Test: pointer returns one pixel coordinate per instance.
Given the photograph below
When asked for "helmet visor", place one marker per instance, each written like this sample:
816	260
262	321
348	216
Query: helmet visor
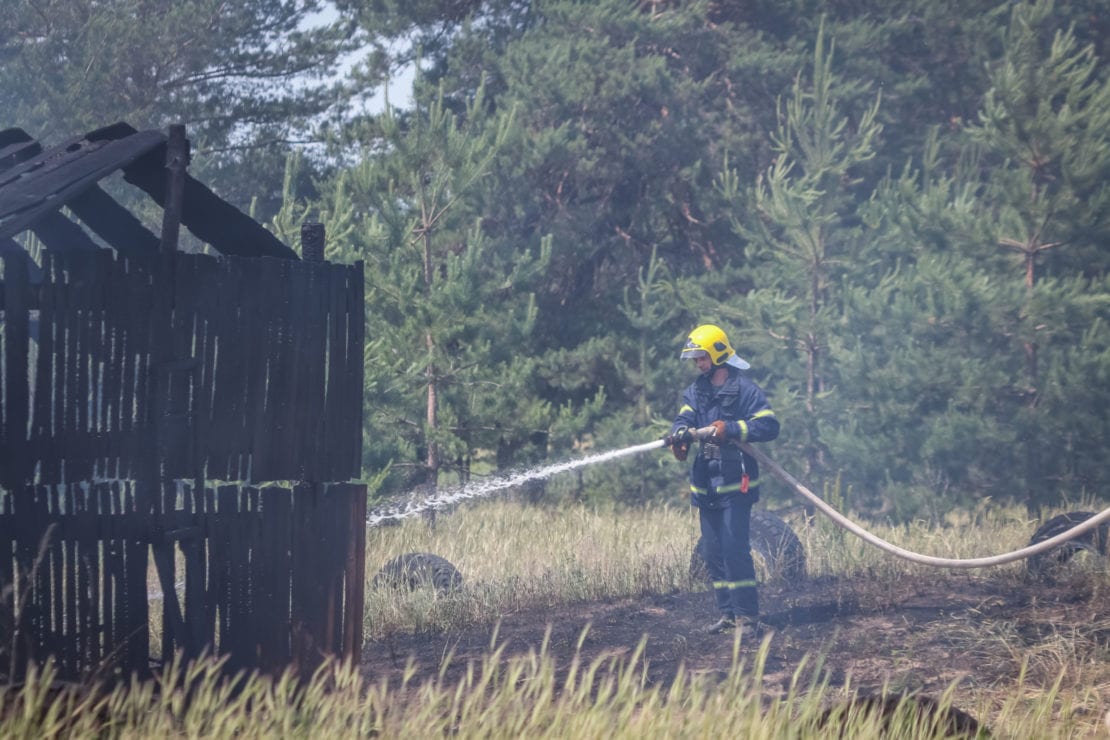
692	352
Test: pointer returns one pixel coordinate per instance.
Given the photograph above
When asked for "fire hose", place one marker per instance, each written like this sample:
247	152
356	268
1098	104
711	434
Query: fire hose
843	522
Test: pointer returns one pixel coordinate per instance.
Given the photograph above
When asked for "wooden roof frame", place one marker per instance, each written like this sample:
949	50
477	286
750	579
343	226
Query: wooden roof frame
36	182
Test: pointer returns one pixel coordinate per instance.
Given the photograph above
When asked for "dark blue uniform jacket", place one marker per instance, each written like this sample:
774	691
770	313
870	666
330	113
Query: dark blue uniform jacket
716	476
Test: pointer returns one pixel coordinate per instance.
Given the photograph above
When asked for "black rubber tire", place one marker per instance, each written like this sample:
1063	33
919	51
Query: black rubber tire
891	712
415	570
1095	541
772	539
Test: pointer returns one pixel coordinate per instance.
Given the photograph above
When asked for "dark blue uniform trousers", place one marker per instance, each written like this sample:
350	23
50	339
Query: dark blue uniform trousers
726	547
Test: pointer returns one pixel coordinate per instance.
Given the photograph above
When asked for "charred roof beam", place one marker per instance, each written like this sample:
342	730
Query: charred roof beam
35	184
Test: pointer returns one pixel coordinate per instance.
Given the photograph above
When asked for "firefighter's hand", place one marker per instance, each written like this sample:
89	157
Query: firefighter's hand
680	436
718	435
679	442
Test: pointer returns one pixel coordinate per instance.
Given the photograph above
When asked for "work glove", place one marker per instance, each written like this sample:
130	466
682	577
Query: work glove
718	435
680	436
679	442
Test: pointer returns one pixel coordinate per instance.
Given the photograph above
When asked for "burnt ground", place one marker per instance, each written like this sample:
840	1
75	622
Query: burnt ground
920	635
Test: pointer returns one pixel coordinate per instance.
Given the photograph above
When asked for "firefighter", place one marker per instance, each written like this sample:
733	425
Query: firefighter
724	481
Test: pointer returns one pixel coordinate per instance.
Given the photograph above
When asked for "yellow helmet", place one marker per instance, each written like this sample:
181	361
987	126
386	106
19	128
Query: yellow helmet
711	340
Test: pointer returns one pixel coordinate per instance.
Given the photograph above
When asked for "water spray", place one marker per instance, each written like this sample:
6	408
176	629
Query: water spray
454	495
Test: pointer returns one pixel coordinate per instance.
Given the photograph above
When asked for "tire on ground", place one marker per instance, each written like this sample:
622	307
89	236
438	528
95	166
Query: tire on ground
895	713
773	542
415	570
1094	541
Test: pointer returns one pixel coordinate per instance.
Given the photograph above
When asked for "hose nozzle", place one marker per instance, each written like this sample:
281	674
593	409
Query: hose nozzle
685	436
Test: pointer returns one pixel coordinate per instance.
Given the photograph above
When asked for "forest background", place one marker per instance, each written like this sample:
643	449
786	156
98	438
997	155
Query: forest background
899	213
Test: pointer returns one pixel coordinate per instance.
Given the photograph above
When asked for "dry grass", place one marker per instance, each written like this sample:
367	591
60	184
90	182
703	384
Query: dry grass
1042	674
520	696
1029	674
515	557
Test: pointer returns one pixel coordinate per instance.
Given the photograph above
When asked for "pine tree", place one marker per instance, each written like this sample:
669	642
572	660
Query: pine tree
1044	133
984	371
648	372
805	245
449	311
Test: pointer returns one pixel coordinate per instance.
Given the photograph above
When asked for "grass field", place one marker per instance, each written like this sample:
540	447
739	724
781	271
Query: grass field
531	562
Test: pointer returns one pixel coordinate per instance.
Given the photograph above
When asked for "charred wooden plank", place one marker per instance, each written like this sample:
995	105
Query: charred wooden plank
137	614
272	595
50	160
54	604
220	564
109	357
42	420
204	380
15	465
243	536
356	369
298	390
156	438
354	571
229	380
192	550
210	218
347	464
45	183
332	541
34	272
81	450
62	235
34	570
16	145
113	223
211	575
177	371
71	652
86	555
70	368
117	342
22	518
132	309
8	539
177	153
106	536
257	342
281	460
335	399
306	594
313	236
312	383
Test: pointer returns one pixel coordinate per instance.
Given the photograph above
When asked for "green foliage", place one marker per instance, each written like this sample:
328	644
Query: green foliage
862	274
921	285
449	309
805	246
643	368
1044	131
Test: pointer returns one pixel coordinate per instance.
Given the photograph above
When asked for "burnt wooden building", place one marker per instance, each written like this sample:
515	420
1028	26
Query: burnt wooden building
180	433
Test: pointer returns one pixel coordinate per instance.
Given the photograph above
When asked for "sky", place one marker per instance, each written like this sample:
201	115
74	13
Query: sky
399	88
